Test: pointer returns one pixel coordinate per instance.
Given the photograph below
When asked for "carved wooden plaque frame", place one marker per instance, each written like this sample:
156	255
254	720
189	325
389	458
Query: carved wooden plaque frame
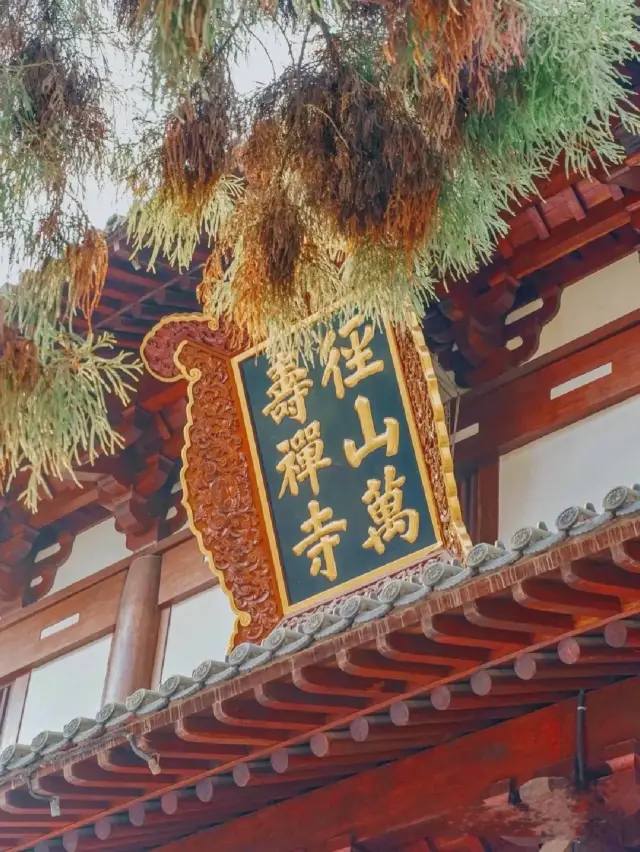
220	489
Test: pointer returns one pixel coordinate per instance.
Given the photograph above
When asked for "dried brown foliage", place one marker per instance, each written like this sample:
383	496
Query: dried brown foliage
273	235
460	46
261	156
88	263
189	17
278	236
128	13
362	159
61	96
196	143
19	364
278	272
57	127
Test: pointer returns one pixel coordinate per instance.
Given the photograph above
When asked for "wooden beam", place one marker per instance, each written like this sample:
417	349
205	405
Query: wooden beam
591	338
50	603
51	511
521	411
433	789
23	645
537	220
481	356
184	573
339	844
572	236
488	500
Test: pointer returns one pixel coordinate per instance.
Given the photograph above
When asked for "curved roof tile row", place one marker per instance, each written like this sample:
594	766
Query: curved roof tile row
355	610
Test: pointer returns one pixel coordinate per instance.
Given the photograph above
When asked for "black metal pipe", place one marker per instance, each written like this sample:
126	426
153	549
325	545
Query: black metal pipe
581	780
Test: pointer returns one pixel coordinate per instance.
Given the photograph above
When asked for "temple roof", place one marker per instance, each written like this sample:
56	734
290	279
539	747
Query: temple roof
576	227
425	660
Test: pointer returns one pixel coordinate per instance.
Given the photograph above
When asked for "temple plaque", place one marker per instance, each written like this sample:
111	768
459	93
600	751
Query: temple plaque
341	474
306	480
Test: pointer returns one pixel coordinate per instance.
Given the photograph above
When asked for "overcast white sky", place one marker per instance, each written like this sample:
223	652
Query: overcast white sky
101	202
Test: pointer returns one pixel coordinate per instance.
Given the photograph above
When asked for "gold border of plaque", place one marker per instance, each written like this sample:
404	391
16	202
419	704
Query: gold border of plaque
397	565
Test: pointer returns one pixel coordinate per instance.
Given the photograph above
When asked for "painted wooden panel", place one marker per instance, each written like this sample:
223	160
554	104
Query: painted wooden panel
184	573
591	303
60	628
572	466
557	395
347	438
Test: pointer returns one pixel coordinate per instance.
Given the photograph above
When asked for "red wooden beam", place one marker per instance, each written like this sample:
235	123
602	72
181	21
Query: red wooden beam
479	497
429	793
521	411
573	235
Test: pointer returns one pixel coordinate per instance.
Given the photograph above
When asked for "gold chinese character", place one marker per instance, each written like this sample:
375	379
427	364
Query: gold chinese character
321	540
289	387
303	459
357	356
390	437
386	512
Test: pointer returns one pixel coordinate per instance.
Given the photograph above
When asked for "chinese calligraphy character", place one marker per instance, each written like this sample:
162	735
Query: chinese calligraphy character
357	356
386	512
320	542
288	390
302	460
389	438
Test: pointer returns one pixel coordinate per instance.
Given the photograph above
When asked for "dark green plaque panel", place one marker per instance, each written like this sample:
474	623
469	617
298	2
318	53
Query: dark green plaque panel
301	416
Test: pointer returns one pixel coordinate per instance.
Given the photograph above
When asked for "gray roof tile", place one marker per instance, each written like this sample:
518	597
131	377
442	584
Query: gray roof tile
356	609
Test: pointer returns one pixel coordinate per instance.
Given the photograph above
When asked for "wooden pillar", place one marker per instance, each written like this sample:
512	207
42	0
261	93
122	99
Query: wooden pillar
133	646
479	498
488	501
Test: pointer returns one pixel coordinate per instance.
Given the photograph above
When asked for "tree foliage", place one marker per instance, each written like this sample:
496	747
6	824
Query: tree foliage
383	158
54	382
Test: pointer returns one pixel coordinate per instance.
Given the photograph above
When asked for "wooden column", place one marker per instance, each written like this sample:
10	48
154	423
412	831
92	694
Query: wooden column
488	501
135	638
479	497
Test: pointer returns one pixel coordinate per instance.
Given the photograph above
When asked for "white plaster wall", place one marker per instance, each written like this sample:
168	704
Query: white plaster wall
573	466
94	549
200	628
67	687
593	302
